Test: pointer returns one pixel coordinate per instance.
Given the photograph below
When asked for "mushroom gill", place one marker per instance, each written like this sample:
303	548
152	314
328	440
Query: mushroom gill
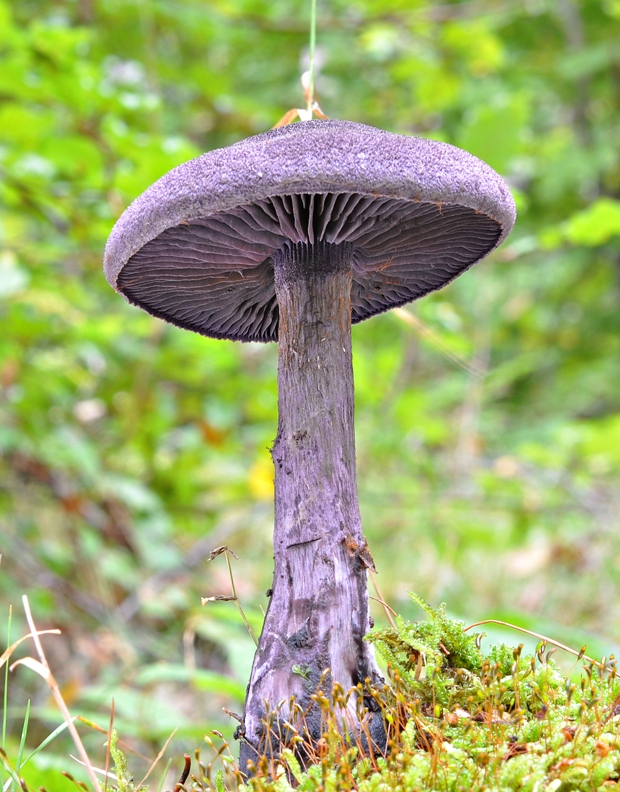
214	275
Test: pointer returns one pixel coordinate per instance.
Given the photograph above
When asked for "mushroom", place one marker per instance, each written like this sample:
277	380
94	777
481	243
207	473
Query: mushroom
293	235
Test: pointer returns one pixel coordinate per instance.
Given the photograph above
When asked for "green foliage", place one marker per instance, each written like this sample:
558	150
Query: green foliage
430	656
591	227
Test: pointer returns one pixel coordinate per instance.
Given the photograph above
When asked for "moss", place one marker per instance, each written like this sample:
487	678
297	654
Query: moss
124	780
457	720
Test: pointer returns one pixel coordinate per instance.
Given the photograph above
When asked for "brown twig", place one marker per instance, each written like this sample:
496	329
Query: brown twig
379	598
225	597
157	758
184	774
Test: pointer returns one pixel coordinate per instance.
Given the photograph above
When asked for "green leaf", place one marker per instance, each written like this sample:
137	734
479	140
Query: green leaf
201	679
495	133
596	225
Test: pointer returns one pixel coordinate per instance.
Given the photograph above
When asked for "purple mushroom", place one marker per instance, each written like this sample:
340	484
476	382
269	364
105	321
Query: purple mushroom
293	235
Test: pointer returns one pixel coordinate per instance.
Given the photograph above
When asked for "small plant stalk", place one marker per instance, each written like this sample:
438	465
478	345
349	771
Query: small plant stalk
310	93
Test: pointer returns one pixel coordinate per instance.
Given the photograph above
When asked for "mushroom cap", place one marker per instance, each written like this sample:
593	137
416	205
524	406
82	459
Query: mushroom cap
196	248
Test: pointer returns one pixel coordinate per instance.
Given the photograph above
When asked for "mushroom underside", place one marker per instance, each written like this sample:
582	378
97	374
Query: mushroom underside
214	275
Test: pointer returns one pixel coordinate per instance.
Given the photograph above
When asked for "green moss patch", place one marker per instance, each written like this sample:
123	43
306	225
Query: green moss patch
460	720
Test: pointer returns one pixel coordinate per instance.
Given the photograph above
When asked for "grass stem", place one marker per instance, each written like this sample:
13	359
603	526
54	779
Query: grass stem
310	96
559	645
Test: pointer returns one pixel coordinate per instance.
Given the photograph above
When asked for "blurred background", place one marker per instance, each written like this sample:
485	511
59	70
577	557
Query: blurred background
487	415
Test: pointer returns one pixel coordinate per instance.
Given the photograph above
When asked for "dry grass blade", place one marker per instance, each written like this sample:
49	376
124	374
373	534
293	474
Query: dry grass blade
8	652
579	655
43	669
426	332
125	746
379	598
157	758
105	773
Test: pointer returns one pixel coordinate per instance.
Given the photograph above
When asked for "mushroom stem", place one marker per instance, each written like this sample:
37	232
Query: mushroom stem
318	613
